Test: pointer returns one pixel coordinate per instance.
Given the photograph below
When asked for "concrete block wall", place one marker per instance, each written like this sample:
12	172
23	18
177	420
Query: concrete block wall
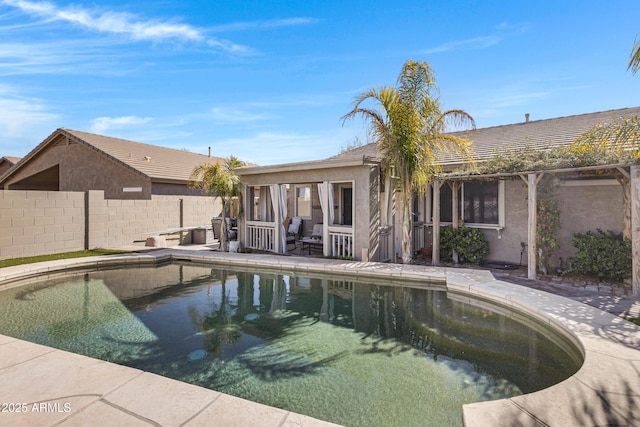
198	210
40	222
47	222
117	223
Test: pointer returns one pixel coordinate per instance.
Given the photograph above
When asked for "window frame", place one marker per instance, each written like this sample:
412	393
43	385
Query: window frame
490	226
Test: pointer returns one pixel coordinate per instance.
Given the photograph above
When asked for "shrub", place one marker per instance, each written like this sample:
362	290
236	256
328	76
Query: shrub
468	242
446	242
606	255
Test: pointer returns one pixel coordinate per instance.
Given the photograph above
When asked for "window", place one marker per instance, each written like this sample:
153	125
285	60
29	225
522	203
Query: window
481	202
303	201
446	202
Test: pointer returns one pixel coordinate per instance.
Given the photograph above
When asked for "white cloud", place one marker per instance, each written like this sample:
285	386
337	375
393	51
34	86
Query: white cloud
123	24
103	124
23	122
237	115
504	29
274	23
20	113
519	28
474	43
59	56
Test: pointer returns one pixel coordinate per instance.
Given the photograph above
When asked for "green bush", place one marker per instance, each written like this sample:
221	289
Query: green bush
605	255
468	242
446	242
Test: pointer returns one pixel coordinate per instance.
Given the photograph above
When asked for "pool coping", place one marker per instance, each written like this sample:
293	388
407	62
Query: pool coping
605	390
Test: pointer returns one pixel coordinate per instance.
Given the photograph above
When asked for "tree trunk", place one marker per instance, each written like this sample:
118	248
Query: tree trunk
223	227
407	226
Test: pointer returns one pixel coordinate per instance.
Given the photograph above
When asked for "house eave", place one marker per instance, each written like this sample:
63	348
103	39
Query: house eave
301	166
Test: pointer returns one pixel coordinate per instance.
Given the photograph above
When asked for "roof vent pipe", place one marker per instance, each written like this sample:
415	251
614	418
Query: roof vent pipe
209	151
526	118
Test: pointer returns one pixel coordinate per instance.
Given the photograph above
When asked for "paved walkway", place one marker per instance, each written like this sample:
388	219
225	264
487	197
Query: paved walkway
613	298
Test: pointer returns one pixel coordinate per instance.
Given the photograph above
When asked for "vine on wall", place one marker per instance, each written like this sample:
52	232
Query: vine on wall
548	222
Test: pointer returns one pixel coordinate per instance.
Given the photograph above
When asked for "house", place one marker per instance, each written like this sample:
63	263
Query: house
7	162
348	195
71	160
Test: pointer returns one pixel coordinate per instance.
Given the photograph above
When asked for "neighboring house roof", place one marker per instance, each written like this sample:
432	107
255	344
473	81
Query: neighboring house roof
6	163
159	164
536	134
10	159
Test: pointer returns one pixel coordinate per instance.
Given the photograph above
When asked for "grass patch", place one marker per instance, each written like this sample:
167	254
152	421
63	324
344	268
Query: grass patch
635	320
65	255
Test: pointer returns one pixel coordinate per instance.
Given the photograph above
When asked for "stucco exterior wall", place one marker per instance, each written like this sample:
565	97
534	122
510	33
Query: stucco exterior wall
507	247
47	222
585	208
582	208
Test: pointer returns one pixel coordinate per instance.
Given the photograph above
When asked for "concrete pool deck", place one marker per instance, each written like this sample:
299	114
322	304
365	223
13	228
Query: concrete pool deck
53	387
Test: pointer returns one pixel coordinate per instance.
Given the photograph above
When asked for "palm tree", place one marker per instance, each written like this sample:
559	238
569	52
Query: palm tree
220	180
408	127
634	62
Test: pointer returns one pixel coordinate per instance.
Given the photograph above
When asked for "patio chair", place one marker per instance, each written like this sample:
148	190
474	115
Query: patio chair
294	232
316	233
216	225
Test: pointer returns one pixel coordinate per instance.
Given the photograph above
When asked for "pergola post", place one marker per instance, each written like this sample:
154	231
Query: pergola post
435	255
454	212
326	244
276	218
532	223
635	229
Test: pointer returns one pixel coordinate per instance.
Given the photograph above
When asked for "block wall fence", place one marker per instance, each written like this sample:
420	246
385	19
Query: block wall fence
47	222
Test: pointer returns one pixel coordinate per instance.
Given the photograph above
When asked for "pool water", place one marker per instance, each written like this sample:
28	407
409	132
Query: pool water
357	354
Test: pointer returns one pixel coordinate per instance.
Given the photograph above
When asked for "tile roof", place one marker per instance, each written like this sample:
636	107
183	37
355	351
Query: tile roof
157	163
10	159
536	134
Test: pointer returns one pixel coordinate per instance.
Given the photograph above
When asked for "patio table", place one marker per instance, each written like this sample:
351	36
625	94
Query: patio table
309	242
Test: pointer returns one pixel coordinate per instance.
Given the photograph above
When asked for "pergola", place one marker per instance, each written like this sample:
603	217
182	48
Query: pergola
626	173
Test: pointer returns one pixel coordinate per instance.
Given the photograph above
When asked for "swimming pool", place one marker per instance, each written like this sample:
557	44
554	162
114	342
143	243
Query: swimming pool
348	352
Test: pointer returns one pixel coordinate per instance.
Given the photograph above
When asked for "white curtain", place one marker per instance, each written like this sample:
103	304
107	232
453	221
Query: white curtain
279	196
323	201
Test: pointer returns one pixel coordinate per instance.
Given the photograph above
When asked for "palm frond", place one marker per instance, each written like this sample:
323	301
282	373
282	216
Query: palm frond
634	61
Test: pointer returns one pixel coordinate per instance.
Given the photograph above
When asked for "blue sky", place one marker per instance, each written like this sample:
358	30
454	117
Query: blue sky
268	81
